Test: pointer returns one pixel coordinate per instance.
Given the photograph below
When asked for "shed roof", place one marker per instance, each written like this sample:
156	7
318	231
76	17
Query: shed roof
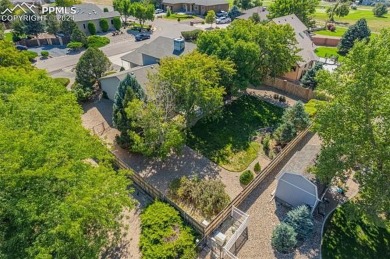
296	190
88	12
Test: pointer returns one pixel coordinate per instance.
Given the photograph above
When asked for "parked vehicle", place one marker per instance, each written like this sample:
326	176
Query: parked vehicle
223	20
142	36
21	47
221	14
157	11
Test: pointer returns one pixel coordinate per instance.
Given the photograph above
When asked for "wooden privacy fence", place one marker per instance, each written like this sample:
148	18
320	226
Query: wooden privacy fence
156	194
290	87
280	159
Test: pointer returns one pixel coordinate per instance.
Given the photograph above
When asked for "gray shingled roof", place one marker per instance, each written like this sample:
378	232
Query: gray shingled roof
304	42
296	190
159	48
197	2
140	73
248	13
88	12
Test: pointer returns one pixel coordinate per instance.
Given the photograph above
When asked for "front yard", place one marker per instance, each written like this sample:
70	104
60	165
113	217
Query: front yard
328	52
344	238
228	140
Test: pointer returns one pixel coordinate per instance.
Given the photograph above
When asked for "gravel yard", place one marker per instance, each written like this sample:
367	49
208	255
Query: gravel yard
265	214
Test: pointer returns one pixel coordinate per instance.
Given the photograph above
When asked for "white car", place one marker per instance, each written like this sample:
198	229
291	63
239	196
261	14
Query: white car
223	20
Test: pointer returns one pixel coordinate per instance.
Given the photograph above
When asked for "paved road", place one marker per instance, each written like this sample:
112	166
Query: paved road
166	28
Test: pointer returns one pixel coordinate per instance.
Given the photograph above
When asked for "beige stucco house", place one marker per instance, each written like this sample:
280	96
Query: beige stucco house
305	44
200	7
86	13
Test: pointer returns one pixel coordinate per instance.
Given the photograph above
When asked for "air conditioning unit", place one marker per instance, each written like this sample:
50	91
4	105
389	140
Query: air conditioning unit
220	238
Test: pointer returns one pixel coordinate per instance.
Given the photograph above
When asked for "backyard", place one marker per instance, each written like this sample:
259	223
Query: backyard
344	238
327	52
228	140
375	23
337	33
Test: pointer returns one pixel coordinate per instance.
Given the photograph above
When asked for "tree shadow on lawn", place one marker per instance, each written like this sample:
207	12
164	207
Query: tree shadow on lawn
345	238
233	131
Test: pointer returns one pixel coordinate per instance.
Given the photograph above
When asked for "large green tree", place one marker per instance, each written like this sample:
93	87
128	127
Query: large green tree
143	12
357	32
67	26
124	7
59	195
91	66
192	85
153	132
355	125
309	78
339	9
52	24
257	50
33	26
5	4
303	9
128	90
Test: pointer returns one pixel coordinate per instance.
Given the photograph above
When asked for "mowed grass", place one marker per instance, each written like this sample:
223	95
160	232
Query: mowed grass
375	23
337	33
344	238
327	52
227	141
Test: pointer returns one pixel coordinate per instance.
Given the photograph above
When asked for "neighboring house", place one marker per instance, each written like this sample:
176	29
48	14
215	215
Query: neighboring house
294	190
151	53
110	83
305	44
260	10
86	13
200	7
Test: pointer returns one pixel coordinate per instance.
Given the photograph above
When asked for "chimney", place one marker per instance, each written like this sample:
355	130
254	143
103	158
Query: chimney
178	45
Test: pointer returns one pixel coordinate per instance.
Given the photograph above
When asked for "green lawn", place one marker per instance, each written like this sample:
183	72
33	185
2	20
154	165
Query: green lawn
337	33
226	141
175	16
344	238
327	52
375	23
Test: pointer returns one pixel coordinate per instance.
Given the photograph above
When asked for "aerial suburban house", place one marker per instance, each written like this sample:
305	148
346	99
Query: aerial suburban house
200	7
86	13
305	44
152	52
260	10
110	83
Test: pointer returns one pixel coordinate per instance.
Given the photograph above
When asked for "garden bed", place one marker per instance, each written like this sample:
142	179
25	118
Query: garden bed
228	141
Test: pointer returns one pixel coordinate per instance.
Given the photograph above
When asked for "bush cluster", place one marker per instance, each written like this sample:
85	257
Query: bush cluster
294	119
208	196
74	45
164	235
62	81
257	168
104	25
97	41
191	35
297	226
331	27
91	28
246	177
44	53
117	23
31	55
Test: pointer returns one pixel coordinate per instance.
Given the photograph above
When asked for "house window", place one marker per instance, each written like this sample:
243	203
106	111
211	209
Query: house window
84	25
196	7
112	21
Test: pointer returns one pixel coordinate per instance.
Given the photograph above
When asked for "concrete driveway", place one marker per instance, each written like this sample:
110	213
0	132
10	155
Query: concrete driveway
54	51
